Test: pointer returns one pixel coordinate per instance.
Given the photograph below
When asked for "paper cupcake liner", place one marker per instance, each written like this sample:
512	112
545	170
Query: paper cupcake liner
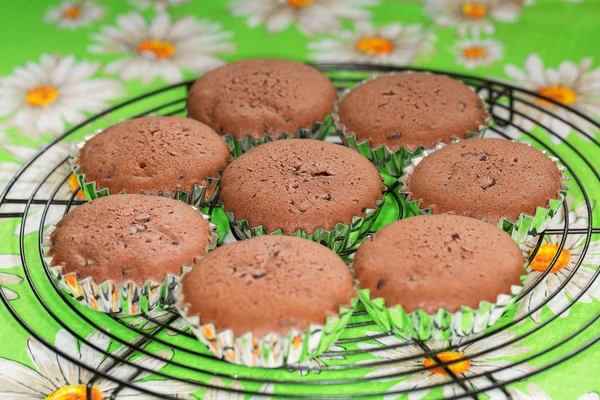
388	161
520	230
124	299
272	350
201	195
339	239
319	131
442	325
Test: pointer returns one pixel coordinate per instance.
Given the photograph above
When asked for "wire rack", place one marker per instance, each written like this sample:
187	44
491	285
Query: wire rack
336	374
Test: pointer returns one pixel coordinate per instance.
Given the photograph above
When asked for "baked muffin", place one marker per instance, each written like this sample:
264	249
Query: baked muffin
263	99
429	263
127	240
406	112
170	156
492	179
267	287
301	185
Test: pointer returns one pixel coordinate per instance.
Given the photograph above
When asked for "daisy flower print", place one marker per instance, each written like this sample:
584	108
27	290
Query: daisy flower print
473	17
472	362
573	85
310	16
394	44
56	378
162	47
572	268
41	98
72	14
475	53
27	183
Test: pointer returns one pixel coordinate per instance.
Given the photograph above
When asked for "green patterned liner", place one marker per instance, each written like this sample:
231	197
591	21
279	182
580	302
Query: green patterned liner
272	350
123	299
340	238
520	230
443	325
388	161
200	196
319	131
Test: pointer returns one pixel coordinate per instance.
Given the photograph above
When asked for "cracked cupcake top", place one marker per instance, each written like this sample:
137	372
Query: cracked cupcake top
261	97
485	179
410	110
439	261
129	237
300	184
267	284
153	155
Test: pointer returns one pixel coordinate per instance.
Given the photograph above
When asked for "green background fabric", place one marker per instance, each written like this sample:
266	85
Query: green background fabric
555	31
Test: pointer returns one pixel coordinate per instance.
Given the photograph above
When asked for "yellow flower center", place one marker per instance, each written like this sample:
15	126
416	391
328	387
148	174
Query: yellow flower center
546	254
474	52
41	96
158	48
474	10
72	12
76	392
460	366
374	45
300	3
561	94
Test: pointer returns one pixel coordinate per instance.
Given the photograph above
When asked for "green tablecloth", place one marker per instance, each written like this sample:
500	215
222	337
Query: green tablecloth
65	61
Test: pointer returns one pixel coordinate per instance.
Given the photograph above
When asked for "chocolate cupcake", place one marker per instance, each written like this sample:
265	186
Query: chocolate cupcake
169	156
448	282
510	184
253	101
302	187
392	118
124	253
268	301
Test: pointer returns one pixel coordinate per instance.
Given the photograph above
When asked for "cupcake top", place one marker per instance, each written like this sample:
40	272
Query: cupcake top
153	155
300	184
410	110
439	261
129	237
485	179
267	284
261	97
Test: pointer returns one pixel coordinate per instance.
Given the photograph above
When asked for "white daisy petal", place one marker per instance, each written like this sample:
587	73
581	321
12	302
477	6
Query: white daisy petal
162	47
46	362
17	379
66	343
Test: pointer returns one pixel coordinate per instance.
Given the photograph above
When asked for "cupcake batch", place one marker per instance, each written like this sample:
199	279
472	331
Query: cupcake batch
303	210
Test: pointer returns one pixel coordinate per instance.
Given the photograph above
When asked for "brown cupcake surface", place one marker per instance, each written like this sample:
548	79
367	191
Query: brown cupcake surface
300	184
439	261
261	97
410	110
129	237
153	155
267	284
485	178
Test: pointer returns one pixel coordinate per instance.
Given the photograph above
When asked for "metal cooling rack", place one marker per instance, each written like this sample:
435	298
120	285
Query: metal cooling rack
159	330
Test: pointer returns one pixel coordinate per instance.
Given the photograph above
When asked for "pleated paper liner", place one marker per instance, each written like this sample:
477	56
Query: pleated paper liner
319	131
520	230
340	238
442	325
201	195
388	161
272	350
126	298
